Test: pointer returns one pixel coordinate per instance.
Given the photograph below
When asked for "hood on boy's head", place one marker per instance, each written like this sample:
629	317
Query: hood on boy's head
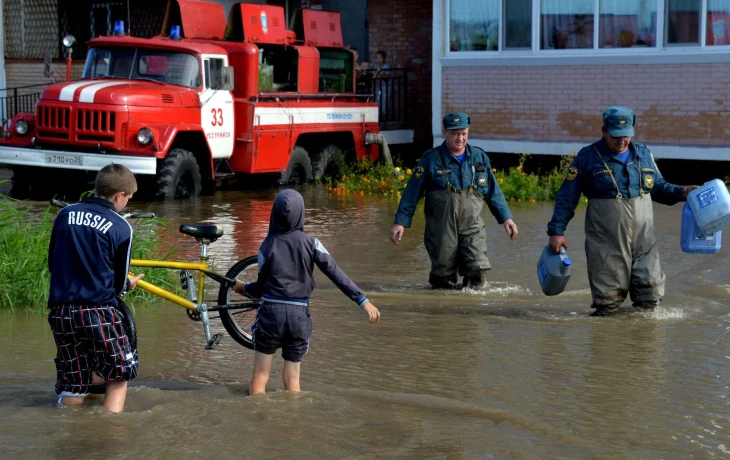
288	212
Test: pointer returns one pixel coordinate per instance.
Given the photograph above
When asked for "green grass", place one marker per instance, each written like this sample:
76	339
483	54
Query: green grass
24	240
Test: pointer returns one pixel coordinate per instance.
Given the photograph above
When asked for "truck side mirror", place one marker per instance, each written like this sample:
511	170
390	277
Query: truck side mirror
227	79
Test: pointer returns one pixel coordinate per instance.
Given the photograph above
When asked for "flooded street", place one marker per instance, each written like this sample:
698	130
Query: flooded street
502	373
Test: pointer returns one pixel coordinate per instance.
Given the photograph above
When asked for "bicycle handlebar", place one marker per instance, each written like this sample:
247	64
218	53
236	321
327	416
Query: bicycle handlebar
58	203
126	215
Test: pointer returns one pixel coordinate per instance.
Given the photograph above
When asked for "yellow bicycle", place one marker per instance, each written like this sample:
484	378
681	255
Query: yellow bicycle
236	312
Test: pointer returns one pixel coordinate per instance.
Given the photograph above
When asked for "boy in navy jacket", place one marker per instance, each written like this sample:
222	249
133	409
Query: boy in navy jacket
88	259
285	282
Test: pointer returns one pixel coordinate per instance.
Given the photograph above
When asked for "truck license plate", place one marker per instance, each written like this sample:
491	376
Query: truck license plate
71	160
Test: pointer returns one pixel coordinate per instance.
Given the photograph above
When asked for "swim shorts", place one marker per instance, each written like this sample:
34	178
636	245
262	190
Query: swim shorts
282	326
90	338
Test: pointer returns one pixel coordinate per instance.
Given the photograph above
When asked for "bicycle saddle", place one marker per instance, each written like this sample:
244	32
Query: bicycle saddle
202	232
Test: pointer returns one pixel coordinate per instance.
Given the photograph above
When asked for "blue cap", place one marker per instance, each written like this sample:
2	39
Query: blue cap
619	121
458	120
566	261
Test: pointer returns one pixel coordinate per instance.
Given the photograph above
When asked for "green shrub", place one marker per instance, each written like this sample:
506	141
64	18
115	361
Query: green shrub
364	177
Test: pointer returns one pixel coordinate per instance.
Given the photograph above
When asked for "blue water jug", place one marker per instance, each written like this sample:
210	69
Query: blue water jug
693	240
710	204
553	271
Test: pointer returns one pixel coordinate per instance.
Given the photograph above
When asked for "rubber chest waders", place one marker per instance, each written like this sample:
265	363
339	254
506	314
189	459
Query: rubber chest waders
621	249
455	235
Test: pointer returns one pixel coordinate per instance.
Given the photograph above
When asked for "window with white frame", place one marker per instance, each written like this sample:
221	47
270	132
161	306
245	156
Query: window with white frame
566	24
718	22
627	23
476	25
517	24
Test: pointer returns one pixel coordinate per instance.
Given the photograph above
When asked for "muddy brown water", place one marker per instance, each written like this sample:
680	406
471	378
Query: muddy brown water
502	373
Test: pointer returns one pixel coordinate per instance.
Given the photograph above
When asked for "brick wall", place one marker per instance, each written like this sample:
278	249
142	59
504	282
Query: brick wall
403	29
25	73
683	104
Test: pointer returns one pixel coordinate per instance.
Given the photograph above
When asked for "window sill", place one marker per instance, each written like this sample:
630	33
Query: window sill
637	55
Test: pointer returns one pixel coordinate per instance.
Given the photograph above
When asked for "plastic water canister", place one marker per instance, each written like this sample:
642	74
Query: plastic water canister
710	205
693	241
553	271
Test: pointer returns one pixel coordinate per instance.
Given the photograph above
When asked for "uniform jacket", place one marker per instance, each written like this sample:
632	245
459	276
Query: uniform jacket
89	254
588	175
429	175
287	257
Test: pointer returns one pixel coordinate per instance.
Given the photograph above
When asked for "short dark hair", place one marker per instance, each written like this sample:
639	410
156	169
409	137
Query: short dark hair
382	53
112	179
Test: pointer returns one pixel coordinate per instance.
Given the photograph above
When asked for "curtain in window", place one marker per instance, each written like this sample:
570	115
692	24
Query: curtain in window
718	22
566	24
683	21
474	25
625	23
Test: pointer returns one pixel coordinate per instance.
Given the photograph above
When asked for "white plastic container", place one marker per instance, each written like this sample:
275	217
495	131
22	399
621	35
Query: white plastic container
553	271
710	205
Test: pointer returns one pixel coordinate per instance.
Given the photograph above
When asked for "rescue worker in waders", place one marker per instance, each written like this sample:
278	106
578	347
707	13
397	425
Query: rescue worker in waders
620	180
457	179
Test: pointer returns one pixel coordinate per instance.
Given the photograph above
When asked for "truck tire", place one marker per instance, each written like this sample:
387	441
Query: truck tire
299	169
327	162
178	176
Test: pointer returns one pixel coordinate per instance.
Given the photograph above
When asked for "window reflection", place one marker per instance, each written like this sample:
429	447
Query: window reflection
518	24
474	25
718	22
627	23
683	21
566	24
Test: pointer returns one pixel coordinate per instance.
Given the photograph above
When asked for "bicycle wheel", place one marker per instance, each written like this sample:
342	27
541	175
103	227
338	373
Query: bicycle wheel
128	321
238	320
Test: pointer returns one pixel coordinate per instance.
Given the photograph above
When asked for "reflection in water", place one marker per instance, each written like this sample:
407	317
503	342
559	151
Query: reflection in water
504	372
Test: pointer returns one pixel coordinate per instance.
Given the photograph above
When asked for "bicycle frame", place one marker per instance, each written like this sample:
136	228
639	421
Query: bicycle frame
192	303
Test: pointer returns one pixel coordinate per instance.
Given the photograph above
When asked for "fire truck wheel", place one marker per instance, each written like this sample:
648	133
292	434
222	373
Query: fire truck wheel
327	162
299	169
178	177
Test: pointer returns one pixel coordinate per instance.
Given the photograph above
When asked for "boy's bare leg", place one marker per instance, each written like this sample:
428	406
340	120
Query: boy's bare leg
291	375
116	394
261	372
73	400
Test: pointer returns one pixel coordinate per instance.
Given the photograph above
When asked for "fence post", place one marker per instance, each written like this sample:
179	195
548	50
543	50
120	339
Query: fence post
15	100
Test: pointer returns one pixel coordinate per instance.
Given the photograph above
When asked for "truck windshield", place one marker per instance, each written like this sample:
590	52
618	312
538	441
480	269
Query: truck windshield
143	64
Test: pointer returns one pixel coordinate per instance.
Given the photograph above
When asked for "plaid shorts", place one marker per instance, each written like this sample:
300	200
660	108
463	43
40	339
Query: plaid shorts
90	338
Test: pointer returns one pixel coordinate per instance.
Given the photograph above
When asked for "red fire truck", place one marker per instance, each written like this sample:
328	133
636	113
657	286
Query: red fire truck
205	101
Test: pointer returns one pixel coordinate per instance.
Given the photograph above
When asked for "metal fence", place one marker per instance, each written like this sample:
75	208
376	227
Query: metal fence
21	99
391	92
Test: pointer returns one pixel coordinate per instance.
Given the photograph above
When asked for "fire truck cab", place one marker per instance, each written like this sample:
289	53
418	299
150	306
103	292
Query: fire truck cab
205	101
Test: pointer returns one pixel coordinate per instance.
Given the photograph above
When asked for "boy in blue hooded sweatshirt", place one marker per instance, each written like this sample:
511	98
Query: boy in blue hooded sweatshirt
285	282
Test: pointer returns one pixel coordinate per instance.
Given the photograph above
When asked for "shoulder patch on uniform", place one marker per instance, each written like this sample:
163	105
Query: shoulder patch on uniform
418	172
649	181
572	173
